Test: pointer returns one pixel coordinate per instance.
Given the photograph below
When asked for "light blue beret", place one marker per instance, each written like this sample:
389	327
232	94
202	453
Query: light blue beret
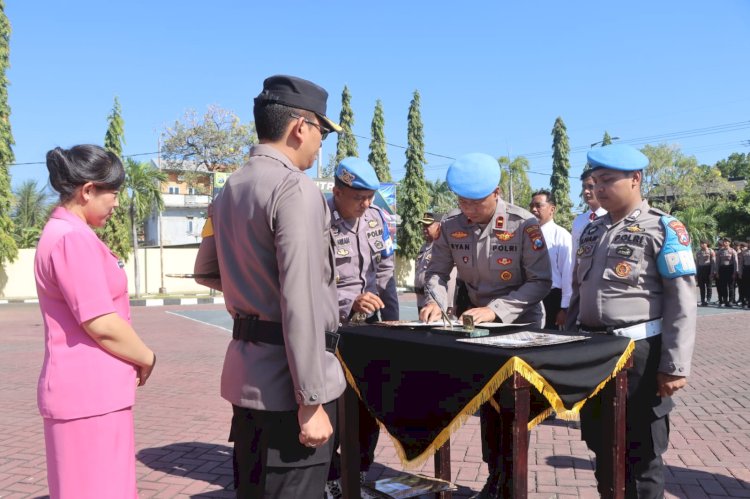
358	174
473	176
617	157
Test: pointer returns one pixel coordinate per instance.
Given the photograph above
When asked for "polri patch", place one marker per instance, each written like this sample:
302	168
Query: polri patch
504	261
504	235
682	234
506	275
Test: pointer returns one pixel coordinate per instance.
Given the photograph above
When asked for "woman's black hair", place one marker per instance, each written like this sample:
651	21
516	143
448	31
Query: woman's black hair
71	168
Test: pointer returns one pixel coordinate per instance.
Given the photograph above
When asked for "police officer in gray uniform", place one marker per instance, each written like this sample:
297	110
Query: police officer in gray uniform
271	251
430	232
503	261
364	267
635	277
362	243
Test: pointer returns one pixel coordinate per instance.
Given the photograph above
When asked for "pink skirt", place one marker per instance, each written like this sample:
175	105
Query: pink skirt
91	458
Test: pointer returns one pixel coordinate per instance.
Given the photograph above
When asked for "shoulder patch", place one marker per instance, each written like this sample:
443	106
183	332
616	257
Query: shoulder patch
675	258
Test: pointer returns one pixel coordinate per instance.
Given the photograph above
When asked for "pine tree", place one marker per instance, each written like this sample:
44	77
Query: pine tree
116	234
378	157
413	195
8	248
347	143
606	140
559	183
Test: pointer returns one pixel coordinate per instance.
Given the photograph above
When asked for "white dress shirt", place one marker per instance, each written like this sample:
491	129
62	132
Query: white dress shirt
580	222
560	247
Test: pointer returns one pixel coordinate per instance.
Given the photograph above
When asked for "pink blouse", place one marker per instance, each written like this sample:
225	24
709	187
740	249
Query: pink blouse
78	279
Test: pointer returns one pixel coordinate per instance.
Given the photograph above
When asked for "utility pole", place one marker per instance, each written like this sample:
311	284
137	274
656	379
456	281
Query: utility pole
162	289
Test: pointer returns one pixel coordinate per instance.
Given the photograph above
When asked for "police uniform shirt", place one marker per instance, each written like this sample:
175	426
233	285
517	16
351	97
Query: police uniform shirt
359	249
560	247
272	238
504	265
580	222
639	269
420	269
727	257
706	258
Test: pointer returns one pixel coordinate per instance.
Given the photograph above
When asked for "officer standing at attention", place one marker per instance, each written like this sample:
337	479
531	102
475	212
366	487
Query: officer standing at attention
728	265
364	266
560	249
635	277
595	209
271	248
501	257
705	261
430	232
743	281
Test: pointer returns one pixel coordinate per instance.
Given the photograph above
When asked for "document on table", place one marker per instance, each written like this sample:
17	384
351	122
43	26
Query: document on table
523	339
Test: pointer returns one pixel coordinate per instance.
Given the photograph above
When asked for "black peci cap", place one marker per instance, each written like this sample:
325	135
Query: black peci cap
298	93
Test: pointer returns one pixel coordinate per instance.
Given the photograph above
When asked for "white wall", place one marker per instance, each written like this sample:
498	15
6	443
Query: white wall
17	278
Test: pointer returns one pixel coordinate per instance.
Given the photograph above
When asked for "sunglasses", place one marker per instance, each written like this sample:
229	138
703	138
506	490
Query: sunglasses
323	130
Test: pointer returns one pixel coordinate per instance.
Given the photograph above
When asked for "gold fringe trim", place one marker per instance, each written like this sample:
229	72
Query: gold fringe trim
513	365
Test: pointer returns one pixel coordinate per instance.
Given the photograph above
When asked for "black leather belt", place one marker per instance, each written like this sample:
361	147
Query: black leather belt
256	330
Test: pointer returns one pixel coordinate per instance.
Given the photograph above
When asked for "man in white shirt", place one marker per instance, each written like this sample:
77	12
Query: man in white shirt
595	210
560	247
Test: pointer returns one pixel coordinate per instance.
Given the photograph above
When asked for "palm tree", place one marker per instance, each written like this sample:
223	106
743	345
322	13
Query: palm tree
30	211
442	199
143	188
700	224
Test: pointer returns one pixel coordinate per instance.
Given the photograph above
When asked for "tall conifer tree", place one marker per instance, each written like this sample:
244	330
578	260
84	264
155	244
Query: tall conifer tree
606	140
559	183
347	142
116	234
8	248
413	195
378	157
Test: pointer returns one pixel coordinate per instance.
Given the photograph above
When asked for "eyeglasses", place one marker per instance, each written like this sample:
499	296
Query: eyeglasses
323	130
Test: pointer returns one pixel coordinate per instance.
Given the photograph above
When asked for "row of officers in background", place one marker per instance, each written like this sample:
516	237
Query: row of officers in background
729	266
294	266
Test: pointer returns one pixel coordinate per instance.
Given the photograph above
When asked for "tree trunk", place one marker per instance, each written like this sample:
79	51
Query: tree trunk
136	270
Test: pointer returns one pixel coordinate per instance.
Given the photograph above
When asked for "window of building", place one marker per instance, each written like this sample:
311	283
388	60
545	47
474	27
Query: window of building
192	190
174	190
190	225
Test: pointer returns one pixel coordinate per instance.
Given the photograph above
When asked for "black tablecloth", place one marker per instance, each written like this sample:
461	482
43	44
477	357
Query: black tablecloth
422	385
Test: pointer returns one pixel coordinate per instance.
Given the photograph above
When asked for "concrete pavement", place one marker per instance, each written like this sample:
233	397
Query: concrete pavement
182	423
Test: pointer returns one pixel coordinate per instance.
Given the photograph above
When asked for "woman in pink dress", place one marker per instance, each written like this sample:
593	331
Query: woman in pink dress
93	358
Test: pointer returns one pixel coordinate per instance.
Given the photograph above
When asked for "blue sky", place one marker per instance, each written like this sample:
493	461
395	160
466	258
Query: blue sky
493	76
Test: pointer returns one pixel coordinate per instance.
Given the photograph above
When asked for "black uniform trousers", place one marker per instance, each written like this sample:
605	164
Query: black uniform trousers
270	462
724	282
647	427
745	285
704	282
552	303
369	431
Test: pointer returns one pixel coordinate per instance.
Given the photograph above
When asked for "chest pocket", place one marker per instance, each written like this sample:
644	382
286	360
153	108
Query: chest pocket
343	248
624	264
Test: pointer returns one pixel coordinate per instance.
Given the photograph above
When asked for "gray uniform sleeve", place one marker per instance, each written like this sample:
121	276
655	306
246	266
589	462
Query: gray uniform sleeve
207	262
386	284
537	282
299	223
678	325
438	271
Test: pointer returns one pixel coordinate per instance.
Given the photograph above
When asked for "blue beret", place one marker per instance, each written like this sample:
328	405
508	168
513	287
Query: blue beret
474	175
358	174
617	157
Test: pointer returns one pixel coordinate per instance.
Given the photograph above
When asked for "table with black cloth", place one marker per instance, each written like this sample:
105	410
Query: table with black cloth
422	385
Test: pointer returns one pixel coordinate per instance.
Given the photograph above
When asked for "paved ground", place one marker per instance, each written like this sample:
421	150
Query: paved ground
181	422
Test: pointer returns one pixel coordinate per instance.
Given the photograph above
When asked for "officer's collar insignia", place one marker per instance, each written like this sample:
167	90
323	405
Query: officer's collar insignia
506	275
336	215
459	234
372	223
634	228
346	176
635	214
504	261
499	222
623	269
504	235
